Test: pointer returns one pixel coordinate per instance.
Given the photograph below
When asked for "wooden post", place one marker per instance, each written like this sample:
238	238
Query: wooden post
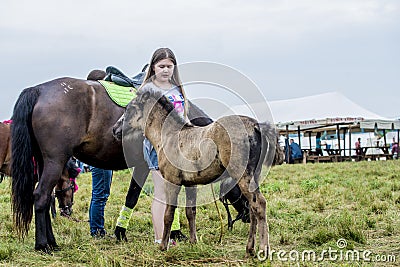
309	139
287	147
298	134
287	131
338	134
384	136
376	132
344	142
350	143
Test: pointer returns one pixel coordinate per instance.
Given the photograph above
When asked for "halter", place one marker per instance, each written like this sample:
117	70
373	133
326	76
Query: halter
71	187
240	216
225	201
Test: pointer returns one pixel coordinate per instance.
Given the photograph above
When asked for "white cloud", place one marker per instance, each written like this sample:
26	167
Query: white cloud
165	18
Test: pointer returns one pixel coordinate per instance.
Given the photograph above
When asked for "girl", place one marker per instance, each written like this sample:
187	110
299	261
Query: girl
163	75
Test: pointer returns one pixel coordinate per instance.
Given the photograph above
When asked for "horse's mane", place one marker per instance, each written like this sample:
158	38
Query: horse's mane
157	95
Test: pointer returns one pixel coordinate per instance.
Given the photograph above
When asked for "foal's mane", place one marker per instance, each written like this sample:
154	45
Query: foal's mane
157	95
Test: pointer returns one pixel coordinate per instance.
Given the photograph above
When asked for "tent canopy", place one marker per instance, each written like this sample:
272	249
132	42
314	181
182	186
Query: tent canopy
322	110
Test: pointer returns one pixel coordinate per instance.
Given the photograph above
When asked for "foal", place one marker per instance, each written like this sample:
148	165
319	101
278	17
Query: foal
189	155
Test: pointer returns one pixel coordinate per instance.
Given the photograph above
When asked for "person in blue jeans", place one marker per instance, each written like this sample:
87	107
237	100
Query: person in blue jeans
101	184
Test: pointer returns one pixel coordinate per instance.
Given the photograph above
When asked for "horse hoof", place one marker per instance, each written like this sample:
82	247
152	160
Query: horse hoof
55	247
162	247
44	249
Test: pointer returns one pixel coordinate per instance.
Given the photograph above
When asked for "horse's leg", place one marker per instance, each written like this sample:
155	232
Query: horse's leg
191	195
257	216
139	176
230	223
51	240
53	206
172	192
44	234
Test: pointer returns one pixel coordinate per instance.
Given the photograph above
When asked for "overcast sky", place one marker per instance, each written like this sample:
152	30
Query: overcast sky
288	48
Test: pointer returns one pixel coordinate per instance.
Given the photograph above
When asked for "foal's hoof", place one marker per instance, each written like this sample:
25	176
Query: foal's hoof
162	247
263	254
250	253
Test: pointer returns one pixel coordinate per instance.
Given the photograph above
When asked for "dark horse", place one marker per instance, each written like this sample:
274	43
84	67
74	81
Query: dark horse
64	190
5	150
54	121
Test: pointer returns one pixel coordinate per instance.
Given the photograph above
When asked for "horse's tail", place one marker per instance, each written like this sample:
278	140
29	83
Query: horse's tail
22	166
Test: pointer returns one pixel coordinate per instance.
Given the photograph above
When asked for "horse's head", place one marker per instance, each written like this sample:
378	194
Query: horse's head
64	192
133	117
66	187
138	110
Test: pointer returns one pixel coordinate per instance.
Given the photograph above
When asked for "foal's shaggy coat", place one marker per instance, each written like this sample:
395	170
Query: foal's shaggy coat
190	155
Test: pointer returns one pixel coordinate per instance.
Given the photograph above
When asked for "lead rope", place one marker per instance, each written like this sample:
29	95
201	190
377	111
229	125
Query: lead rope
219	215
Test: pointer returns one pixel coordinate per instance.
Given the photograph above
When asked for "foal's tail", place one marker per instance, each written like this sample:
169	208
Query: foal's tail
270	149
22	169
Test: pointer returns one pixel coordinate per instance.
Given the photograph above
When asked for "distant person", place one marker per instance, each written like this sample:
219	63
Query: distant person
295	151
318	148
395	149
358	147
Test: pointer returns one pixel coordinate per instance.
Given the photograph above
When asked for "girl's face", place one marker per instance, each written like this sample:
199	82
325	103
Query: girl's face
164	69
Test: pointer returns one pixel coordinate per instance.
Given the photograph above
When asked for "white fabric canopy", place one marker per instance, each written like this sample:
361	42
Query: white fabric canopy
319	111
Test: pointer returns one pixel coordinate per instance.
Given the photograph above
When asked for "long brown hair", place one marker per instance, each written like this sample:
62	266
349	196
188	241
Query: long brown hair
160	54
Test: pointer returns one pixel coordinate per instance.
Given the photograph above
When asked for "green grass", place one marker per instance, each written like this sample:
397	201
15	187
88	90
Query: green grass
310	207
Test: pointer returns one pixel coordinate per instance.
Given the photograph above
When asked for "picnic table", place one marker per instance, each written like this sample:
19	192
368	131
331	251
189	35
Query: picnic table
336	154
334	151
383	152
384	149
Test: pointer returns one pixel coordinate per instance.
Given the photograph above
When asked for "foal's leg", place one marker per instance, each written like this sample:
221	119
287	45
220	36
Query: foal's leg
258	216
191	196
171	192
252	234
